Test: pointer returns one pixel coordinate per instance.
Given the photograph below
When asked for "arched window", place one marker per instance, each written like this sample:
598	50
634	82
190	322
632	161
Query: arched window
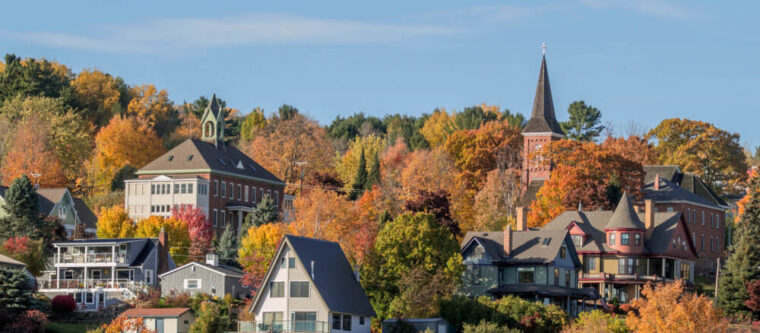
209	129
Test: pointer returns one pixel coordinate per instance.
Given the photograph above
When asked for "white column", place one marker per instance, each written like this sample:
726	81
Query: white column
59	256
57	278
663	268
85	277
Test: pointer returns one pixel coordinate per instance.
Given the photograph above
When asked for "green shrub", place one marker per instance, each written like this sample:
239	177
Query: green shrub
597	321
488	327
509	311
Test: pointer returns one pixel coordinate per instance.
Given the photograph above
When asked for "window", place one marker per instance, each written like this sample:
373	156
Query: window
717	221
276	289
232	191
712	220
190	188
216	188
526	275
223	221
216	216
670	209
183	188
336	321
703	241
291	262
556	276
299	289
276	199
624	239
591	263
577	240
240	192
631	265
68	275
703	217
563	252
282	263
149	276
304	321
192	283
253	194
270	319
688	214
246	192
361	320
637	238
612	238
712	244
176	188
685	271
152	189
346	322
717	244
621	266
89	298
694	237
224	189
261	194
567	279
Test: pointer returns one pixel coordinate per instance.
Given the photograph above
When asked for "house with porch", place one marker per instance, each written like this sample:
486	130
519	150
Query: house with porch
539	265
208	174
101	272
623	249
310	287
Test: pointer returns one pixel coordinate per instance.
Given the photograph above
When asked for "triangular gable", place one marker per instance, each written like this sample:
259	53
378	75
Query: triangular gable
575	229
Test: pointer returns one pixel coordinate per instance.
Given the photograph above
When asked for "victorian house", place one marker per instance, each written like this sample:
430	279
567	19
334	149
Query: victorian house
622	250
540	265
209	174
57	202
704	211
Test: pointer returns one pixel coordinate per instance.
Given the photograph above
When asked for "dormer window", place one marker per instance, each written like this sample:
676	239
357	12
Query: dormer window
577	240
239	165
612	238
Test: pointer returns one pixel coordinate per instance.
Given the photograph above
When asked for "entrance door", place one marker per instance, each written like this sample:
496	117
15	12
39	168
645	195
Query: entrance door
159	325
100	300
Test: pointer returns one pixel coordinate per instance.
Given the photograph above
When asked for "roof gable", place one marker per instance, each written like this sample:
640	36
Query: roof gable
222	270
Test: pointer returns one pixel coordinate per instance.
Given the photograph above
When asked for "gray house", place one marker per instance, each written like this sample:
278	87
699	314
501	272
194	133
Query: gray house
207	278
58	202
539	265
101	272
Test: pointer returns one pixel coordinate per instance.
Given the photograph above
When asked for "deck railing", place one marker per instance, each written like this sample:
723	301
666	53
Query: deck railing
81	258
52	284
298	326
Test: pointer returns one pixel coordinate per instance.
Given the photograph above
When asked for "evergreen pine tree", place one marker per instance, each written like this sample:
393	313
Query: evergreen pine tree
743	264
373	177
266	212
357	188
228	247
15	292
21	204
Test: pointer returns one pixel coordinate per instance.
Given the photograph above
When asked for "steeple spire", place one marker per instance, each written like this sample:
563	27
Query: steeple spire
542	119
212	123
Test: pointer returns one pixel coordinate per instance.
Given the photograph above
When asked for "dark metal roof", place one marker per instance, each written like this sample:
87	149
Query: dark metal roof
625	217
686	180
144	253
669	191
223	268
527	246
195	154
333	276
542	117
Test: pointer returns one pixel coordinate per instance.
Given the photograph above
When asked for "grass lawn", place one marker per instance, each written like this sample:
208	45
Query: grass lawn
705	285
54	327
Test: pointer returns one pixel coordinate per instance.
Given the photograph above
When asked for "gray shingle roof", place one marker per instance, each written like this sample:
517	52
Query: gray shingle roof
195	154
85	214
8	261
527	246
624	216
542	117
686	180
333	276
229	270
671	192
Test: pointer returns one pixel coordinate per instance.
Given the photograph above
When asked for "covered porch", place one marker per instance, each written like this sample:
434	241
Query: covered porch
573	300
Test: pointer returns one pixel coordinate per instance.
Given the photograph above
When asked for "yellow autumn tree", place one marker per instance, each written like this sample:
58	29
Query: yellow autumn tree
438	127
151	107
123	142
114	222
666	308
179	235
257	248
98	94
346	165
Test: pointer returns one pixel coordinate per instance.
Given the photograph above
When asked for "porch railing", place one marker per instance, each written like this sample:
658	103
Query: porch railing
622	276
91	284
91	258
298	326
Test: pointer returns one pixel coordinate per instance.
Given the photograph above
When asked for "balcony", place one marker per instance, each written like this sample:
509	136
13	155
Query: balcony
53	284
92	258
620	277
297	326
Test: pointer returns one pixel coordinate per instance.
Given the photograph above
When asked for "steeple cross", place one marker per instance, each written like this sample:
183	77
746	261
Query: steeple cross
543	48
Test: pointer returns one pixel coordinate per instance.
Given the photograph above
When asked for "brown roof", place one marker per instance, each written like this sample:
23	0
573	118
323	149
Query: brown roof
530	246
624	216
157	312
542	118
197	155
48	197
8	261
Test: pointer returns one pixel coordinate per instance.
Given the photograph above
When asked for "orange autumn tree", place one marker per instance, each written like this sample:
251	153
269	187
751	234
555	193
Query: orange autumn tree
667	308
98	94
123	142
633	148
586	173
123	324
743	202
31	154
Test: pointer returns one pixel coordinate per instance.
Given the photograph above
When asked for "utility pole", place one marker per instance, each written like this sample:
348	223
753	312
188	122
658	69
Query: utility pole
302	164
717	277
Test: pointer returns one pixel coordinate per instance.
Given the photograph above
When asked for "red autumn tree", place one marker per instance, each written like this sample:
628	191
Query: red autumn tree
753	303
198	227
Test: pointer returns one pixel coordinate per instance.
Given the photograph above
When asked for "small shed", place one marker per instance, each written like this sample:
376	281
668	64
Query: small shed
166	320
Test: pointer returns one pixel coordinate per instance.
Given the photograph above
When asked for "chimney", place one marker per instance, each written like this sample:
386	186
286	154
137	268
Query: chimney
508	240
212	259
163	252
520	219
580	206
657	182
649	217
356	274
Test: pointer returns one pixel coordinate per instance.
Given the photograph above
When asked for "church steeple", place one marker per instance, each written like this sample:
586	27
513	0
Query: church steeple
542	119
212	122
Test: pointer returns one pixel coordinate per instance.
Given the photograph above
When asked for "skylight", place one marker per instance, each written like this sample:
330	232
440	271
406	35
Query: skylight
171	157
189	157
546	241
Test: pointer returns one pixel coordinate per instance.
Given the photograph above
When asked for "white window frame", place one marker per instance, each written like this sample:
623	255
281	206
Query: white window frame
224	189
198	284
216	188
216	217
148	276
240	191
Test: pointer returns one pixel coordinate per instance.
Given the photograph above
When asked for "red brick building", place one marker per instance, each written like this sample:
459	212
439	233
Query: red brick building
209	174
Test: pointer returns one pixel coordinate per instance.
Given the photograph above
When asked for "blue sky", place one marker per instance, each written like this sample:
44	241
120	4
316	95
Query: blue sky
639	61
